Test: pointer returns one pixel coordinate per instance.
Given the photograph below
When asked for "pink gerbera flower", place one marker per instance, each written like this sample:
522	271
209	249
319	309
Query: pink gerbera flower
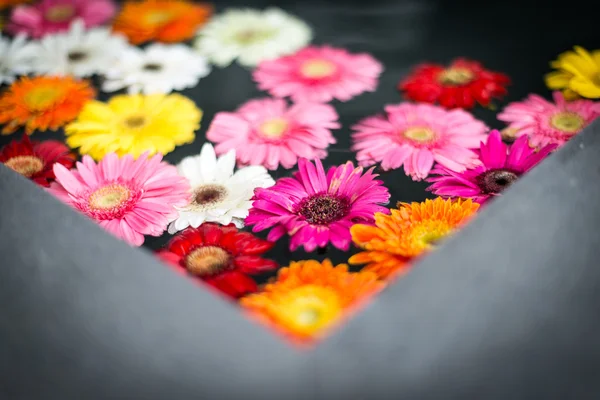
315	208
49	16
266	132
129	198
545	122
416	136
501	166
319	74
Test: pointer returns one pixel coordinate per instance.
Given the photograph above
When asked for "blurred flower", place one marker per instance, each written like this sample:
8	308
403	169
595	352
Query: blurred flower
16	57
578	74
10	3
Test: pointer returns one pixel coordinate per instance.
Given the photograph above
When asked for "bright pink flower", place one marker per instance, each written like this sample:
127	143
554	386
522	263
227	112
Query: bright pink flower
315	208
266	132
501	166
50	16
319	74
416	136
129	198
545	122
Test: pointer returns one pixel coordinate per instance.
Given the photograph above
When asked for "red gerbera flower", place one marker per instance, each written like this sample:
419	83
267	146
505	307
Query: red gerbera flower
35	160
219	255
460	85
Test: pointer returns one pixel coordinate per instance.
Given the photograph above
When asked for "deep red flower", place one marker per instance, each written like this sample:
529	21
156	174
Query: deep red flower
219	255
459	85
35	160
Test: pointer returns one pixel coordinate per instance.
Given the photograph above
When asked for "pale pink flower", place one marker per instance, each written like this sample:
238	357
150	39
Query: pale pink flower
269	133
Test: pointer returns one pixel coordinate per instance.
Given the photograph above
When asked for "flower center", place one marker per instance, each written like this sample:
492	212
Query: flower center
208	195
152	67
77	56
273	128
455	76
309	308
318	68
496	180
43	97
134	121
109	197
25	165
250	36
509	134
60	13
433	238
568	122
419	134
207	261
158	17
322	209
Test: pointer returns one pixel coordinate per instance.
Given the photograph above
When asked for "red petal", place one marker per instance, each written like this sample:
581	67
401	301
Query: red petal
233	283
212	233
254	264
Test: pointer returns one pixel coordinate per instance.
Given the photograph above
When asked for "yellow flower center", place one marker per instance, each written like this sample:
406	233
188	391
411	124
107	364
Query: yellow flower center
158	17
273	128
25	165
60	13
43	97
109	197
455	76
318	68
135	121
250	36
567	122
419	134
207	261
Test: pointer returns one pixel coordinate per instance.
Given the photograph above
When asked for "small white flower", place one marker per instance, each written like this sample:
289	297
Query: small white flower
218	194
79	52
157	69
251	36
15	57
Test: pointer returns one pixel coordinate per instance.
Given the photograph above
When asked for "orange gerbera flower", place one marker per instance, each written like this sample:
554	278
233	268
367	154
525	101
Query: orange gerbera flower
309	297
43	103
165	21
407	232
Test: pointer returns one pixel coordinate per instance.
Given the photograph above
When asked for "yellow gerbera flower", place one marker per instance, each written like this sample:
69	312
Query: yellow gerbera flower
578	73
134	124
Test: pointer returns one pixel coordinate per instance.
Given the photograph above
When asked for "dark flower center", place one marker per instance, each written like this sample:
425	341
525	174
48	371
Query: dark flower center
322	209
76	56
152	67
207	261
495	181
209	194
135	121
25	165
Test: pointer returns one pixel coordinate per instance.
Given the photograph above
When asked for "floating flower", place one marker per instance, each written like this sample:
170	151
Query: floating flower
545	122
218	194
315	208
166	21
16	57
578	74
156	69
34	160
319	74
129	198
221	256
251	36
416	136
51	16
309	297
42	103
501	166
79	52
407	232
460	85
268	132
134	124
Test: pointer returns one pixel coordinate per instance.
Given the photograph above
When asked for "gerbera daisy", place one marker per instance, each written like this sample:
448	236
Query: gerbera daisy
43	103
16	57
319	74
35	160
309	297
218	194
416	136
129	198
221	256
545	122
315	208
251	36
501	165
156	69
461	84
407	232
268	132
79	52
51	16
167	21
578	74
134	124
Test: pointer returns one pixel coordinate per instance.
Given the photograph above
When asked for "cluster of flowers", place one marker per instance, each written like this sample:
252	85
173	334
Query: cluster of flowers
124	185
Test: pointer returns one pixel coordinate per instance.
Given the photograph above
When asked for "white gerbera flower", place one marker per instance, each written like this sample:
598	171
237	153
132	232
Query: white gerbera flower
15	57
79	52
251	36
157	69
218	194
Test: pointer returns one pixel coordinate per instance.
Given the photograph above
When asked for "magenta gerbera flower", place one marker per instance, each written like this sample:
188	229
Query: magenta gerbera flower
267	132
129	198
319	74
545	122
501	166
50	16
416	136
315	208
